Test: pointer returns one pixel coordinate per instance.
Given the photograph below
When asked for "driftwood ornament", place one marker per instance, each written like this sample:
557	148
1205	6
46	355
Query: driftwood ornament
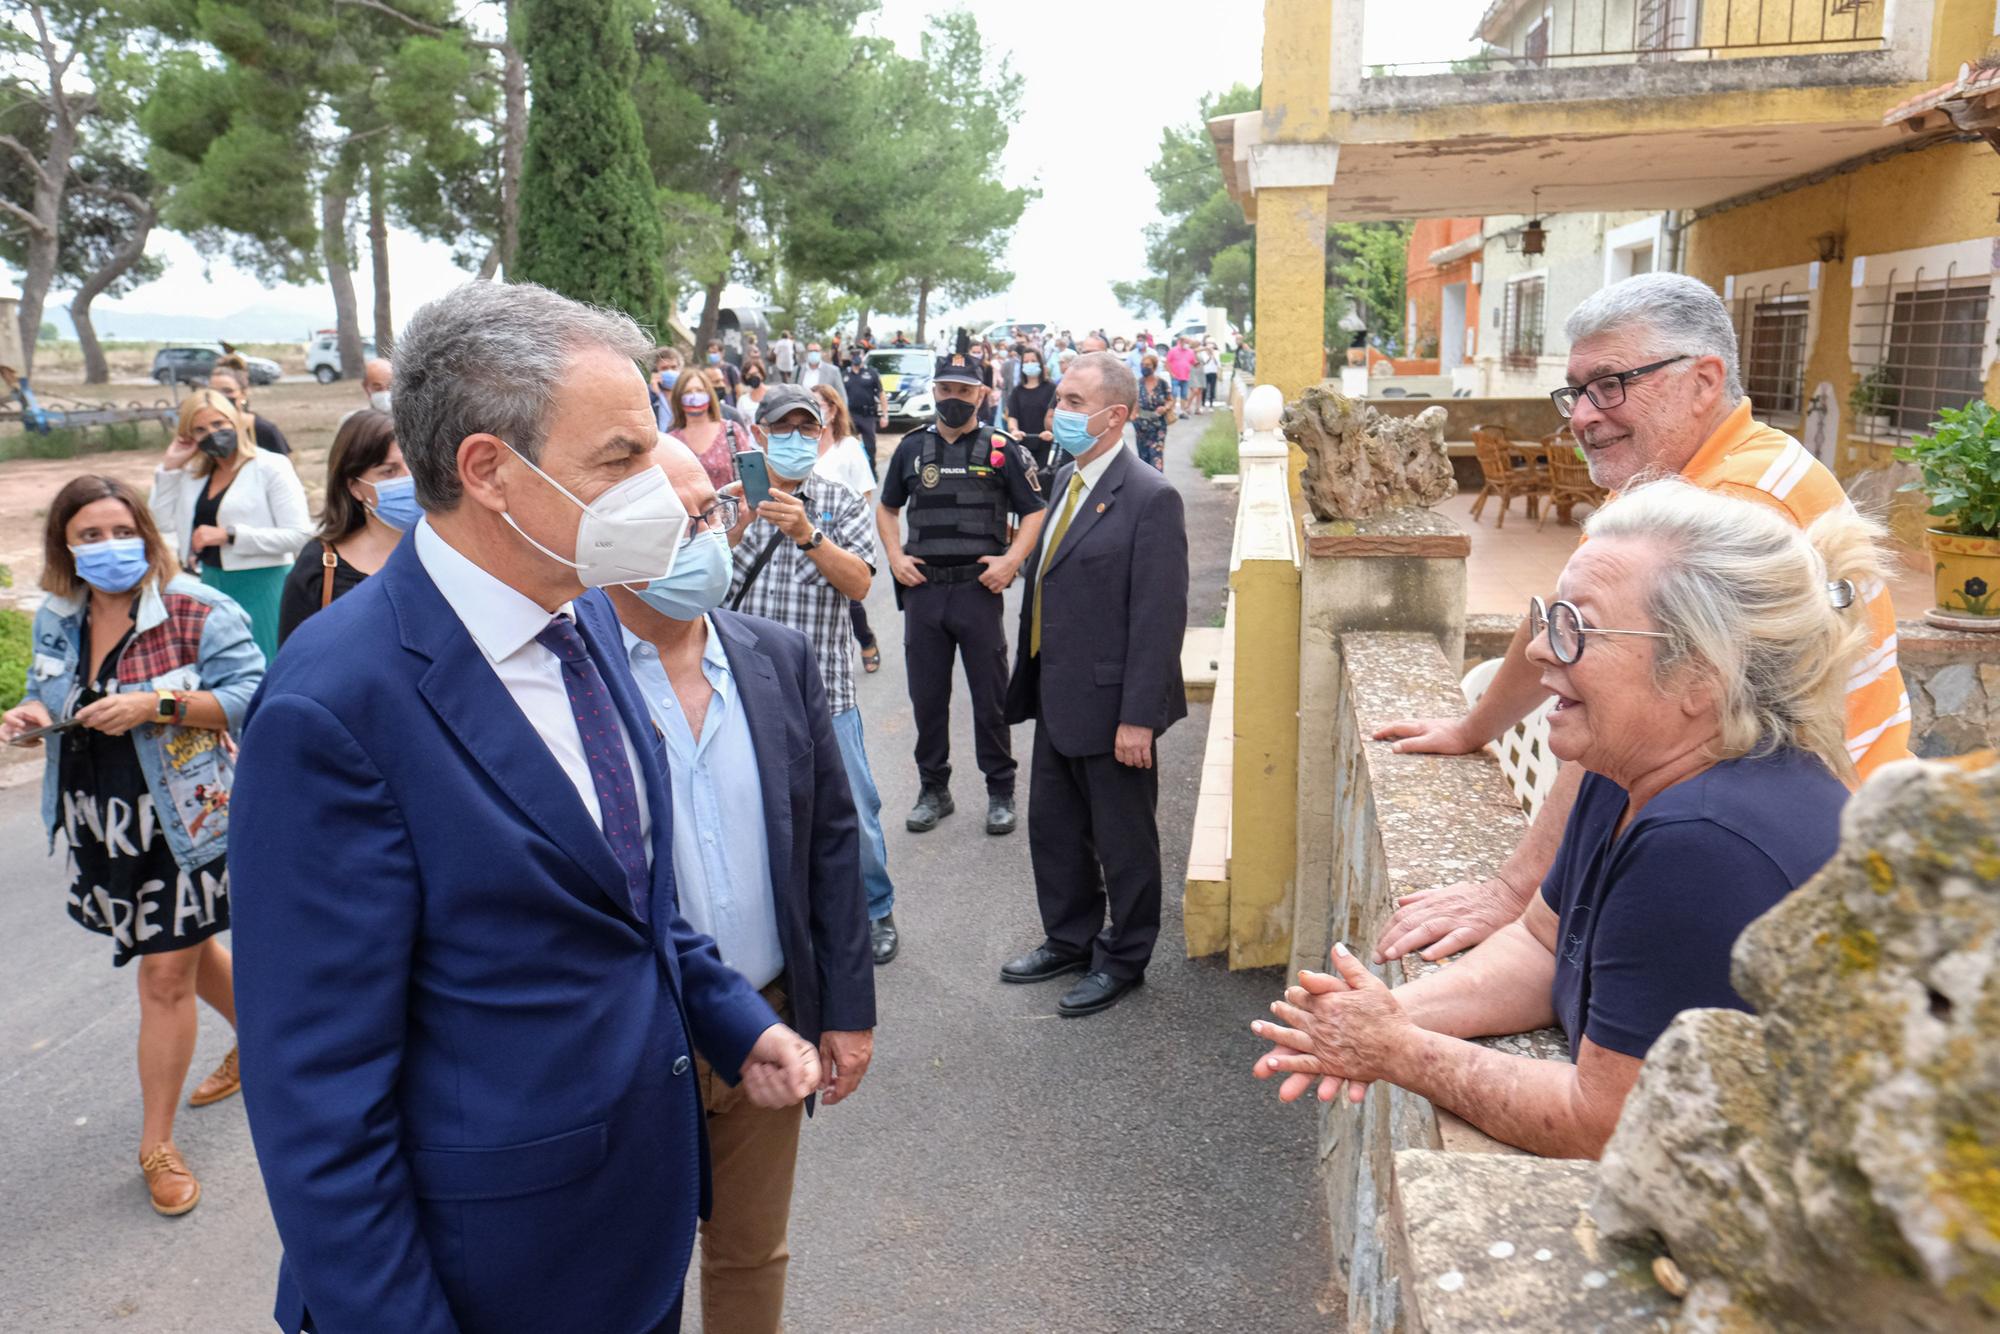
1359	462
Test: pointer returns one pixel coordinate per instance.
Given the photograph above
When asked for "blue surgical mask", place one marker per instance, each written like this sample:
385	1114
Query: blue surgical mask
1072	430
698	582
114	565
1031	369
812	358
396	502
792	454
667	378
715	358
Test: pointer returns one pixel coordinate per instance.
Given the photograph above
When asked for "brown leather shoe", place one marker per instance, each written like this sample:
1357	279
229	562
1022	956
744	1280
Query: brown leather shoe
172	1186
223	1081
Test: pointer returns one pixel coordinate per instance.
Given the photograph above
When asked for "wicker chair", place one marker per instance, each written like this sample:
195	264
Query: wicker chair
1569	480
1504	475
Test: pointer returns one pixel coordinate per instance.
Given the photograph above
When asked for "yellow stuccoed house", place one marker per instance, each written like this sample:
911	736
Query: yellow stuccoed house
1831	167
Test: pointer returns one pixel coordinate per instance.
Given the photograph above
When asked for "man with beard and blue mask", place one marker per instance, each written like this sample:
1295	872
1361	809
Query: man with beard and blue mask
801	557
1098	668
960	487
767	862
465	987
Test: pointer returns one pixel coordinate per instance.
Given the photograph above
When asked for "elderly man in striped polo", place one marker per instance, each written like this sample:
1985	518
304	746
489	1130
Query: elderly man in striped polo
1654	390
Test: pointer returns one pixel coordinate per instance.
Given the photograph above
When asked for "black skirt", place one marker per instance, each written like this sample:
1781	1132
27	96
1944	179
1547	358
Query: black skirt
125	882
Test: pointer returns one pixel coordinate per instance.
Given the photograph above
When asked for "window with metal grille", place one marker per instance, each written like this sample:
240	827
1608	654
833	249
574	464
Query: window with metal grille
1928	335
1521	321
1771	331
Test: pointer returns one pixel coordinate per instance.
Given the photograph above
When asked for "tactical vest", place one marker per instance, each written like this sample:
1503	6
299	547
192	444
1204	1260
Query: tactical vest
954	511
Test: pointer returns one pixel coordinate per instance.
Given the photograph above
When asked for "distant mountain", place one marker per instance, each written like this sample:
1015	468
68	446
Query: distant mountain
265	322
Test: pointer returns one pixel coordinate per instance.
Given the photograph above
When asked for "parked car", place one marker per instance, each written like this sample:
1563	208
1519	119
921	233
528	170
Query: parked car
188	365
262	370
906	382
323	356
1003	331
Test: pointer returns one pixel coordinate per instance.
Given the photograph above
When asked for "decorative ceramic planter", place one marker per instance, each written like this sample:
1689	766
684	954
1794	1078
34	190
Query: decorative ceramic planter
1967	571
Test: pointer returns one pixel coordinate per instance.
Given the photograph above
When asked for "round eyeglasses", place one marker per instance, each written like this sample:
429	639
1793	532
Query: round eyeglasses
1565	628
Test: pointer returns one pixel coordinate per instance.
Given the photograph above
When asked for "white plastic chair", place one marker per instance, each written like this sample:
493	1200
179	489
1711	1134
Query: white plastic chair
1525	761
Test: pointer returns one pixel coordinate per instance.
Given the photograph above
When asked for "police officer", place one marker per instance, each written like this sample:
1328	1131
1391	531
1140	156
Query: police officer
865	402
961	484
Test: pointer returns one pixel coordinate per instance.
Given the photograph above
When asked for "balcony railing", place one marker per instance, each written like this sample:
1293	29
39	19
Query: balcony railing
1555	34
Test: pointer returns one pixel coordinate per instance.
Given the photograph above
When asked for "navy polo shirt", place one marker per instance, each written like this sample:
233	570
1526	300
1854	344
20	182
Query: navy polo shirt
1648	917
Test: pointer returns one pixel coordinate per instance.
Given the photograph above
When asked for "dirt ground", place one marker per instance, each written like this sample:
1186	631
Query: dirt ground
306	411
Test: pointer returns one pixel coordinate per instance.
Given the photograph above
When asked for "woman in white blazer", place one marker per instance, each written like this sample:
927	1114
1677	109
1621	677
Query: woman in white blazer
234	513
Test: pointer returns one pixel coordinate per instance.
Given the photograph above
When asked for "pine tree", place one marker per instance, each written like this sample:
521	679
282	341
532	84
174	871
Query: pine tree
590	225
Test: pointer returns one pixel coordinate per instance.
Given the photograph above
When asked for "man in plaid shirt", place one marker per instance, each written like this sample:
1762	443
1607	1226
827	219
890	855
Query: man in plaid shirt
820	540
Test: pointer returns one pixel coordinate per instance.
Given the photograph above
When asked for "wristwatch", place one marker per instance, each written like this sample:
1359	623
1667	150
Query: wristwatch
169	708
812	543
229	535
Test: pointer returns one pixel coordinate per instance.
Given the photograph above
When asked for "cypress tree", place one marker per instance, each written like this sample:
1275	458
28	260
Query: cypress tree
590	226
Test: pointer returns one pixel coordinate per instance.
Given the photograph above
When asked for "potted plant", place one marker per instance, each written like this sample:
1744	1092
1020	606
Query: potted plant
1870	400
1960	466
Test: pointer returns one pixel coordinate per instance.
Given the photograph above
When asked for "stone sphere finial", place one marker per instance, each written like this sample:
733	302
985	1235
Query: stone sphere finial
1263	408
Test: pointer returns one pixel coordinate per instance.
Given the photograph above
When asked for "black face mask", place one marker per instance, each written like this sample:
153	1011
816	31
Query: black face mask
954	412
219	445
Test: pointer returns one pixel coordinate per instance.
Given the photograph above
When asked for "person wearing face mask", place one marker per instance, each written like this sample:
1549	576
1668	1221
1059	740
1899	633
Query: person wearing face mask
732	378
232	512
803	557
371	502
1155	412
467	988
232	381
743	713
700	423
376	377
150	667
960	487
754	379
818	370
1098	668
867	404
1028	414
660	386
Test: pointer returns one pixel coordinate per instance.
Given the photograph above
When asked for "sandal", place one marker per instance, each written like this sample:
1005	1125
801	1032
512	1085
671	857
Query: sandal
871	658
224	1081
172	1187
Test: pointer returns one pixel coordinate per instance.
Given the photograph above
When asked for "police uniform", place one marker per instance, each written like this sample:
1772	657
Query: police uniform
864	402
958	497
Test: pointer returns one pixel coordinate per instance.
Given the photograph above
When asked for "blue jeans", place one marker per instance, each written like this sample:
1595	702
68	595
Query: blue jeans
868	807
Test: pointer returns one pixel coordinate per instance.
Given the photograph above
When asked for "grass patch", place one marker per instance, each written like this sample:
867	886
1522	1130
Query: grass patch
14	654
72	442
1215	452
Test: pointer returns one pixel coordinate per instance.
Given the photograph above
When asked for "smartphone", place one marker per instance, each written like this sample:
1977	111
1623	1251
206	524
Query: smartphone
755	475
36	734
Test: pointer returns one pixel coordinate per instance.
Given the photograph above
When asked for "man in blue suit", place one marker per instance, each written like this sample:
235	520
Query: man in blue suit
468	1001
767	857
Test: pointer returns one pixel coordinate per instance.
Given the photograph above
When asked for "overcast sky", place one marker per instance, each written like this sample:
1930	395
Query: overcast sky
1100	82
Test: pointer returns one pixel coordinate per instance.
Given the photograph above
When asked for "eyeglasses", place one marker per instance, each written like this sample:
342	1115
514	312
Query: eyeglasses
1564	626
721	516
1606	391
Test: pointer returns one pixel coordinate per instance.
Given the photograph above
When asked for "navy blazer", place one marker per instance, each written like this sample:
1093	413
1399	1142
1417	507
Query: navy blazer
467	1058
1114	612
809	824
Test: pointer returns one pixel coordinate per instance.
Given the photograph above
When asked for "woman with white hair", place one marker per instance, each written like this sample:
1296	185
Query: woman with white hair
1699	654
231	512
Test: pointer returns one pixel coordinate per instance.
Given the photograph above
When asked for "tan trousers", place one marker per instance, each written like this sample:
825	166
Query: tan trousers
752	1153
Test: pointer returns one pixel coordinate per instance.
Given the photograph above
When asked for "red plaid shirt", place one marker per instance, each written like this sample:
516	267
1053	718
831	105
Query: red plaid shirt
174	642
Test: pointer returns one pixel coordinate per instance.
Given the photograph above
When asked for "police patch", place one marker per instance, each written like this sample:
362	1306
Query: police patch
931	474
1035	480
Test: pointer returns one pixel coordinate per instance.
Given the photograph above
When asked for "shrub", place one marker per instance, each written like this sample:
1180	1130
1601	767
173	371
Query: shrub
14	655
1215	452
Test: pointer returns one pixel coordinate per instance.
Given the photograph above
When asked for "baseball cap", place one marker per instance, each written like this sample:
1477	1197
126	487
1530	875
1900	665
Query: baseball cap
780	399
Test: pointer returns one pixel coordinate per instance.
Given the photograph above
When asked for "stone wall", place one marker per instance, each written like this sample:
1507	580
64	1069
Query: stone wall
1953	680
1397	823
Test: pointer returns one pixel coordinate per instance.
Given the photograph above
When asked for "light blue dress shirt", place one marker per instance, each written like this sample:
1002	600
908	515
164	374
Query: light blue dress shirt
722	863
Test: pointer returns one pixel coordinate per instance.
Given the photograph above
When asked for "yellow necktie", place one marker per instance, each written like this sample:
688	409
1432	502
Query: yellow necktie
1055	540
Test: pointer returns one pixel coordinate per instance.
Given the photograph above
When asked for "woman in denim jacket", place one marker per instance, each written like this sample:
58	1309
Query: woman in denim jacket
148	669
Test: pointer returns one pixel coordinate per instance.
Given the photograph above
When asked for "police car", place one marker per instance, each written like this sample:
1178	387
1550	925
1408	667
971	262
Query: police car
906	383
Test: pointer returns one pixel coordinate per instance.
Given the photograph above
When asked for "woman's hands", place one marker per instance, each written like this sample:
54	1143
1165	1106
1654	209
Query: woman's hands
208	535
115	715
1345	1029
178	453
24	718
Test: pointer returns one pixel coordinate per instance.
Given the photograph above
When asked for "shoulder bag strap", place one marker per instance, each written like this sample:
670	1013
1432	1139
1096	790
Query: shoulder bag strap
756	568
328	562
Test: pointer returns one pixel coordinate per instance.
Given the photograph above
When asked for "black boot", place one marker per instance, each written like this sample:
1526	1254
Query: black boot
883	938
933	804
1000	815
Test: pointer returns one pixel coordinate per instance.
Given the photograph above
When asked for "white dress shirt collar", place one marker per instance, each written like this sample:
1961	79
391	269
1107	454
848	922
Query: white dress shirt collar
500	618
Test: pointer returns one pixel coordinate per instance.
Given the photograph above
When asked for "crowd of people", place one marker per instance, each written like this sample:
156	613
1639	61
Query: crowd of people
545	737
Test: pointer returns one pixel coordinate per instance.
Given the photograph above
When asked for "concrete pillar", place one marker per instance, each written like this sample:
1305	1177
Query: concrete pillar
1264	581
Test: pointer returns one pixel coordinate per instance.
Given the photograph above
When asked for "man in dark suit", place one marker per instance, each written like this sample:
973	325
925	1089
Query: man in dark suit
1098	666
468	1002
767	859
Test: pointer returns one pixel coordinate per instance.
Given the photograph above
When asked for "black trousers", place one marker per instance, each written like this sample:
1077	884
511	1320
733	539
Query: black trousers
1094	840
864	426
864	633
940	620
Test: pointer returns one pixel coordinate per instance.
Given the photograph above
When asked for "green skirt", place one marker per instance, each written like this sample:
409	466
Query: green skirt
258	593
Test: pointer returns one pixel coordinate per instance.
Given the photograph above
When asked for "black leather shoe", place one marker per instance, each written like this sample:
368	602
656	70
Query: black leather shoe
1094	992
933	804
1039	965
1000	815
882	935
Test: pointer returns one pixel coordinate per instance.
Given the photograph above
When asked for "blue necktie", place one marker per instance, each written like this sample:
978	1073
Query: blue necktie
604	751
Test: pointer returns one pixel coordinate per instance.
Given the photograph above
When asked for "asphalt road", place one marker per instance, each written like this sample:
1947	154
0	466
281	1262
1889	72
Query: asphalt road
1001	1169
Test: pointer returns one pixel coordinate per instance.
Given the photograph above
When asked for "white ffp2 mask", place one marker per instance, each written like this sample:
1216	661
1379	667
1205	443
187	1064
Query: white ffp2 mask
628	535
